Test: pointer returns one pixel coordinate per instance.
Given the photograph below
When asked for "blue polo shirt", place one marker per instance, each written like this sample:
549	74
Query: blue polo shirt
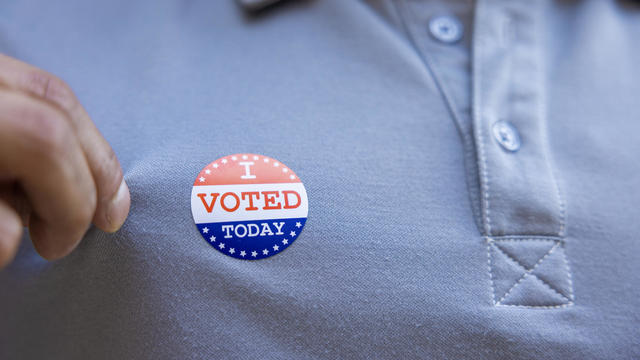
471	170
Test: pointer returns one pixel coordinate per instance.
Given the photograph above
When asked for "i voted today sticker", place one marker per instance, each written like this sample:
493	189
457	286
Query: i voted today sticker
249	206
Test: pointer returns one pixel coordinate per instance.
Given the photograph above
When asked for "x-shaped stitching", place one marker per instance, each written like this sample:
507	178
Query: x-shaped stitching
529	272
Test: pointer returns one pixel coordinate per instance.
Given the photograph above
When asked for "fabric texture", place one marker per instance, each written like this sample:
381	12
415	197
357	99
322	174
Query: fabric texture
382	124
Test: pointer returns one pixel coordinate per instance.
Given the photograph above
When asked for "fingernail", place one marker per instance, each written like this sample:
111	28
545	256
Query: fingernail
119	207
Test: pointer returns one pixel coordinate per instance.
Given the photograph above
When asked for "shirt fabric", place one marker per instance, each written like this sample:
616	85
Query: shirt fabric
426	238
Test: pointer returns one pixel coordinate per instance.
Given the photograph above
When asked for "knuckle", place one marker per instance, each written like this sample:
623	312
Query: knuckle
52	88
46	130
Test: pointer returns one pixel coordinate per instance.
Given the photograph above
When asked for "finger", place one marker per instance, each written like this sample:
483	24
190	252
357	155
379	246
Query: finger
12	193
113	194
39	149
10	233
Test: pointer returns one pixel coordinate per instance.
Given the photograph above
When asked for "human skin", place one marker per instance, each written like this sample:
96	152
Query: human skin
57	172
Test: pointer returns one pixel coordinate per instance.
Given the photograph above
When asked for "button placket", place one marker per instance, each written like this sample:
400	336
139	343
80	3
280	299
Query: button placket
522	208
519	191
450	66
518	200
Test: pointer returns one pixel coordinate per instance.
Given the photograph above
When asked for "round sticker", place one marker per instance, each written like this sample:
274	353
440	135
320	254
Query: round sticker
249	206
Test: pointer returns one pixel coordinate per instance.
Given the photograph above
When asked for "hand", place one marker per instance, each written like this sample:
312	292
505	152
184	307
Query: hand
57	173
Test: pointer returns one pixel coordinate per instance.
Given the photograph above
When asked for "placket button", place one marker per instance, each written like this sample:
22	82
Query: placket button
506	135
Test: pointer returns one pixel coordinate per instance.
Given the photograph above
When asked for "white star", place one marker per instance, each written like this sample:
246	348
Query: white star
265	251
266	160
244	157
254	254
275	247
215	165
292	234
224	161
232	250
255	158
234	158
243	253
298	225
276	164
202	179
221	246
292	177
212	238
207	171
205	230
285	170
285	241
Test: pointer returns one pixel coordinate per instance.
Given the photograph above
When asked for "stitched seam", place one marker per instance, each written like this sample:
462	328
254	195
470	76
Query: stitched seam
568	270
537	306
524	276
525	269
541	113
551	288
561	204
485	183
477	100
493	289
470	161
497	239
519	263
569	301
530	273
527	272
